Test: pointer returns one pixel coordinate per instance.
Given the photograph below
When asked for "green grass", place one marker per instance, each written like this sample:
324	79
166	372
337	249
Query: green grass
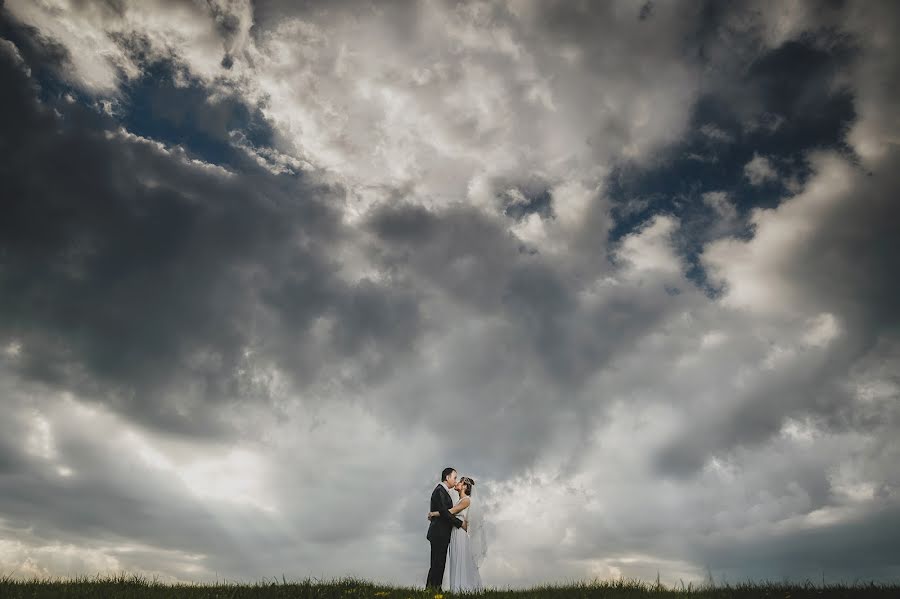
136	587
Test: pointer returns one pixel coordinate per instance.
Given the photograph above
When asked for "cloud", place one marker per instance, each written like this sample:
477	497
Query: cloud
267	268
467	98
98	38
173	276
802	247
760	170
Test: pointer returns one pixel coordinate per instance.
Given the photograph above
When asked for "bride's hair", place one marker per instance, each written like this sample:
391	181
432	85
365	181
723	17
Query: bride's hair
468	483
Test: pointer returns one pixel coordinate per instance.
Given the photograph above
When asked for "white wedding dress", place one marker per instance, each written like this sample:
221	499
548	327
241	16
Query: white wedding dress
461	574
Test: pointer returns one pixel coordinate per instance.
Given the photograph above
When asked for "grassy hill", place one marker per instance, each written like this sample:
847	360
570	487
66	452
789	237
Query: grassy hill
135	587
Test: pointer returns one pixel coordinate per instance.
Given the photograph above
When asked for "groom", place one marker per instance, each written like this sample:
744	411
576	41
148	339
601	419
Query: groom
440	527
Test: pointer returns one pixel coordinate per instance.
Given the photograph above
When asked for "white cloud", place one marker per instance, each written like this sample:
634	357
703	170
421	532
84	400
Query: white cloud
760	170
651	250
756	272
91	33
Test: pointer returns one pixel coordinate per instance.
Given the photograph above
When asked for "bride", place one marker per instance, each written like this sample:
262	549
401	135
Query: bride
467	547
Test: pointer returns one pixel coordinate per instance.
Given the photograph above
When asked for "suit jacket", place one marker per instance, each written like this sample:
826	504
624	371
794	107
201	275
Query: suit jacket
440	527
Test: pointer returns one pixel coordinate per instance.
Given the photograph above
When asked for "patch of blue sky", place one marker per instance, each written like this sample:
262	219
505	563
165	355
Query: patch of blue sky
795	108
154	107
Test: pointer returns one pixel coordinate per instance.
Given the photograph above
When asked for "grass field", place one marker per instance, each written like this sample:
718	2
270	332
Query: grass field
134	587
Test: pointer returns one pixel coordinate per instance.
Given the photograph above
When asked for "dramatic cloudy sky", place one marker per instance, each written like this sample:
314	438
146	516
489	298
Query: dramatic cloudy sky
266	267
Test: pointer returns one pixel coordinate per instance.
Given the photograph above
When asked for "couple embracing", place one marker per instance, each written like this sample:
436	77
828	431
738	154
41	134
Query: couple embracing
456	530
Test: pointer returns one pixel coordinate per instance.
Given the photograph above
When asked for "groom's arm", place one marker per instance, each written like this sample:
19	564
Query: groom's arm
437	498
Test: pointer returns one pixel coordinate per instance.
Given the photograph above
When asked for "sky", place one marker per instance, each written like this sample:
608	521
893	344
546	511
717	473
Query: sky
266	268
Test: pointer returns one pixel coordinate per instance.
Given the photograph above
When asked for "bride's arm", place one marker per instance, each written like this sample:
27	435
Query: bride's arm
463	504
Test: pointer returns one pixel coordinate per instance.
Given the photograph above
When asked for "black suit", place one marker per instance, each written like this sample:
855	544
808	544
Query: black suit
439	534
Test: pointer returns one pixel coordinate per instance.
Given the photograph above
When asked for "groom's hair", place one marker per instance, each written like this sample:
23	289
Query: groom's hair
446	472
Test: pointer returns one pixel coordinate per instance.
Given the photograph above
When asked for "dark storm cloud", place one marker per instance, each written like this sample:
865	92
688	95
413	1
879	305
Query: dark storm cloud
473	261
131	270
464	252
863	548
794	81
848	264
753	418
43	56
513	369
524	363
845	268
